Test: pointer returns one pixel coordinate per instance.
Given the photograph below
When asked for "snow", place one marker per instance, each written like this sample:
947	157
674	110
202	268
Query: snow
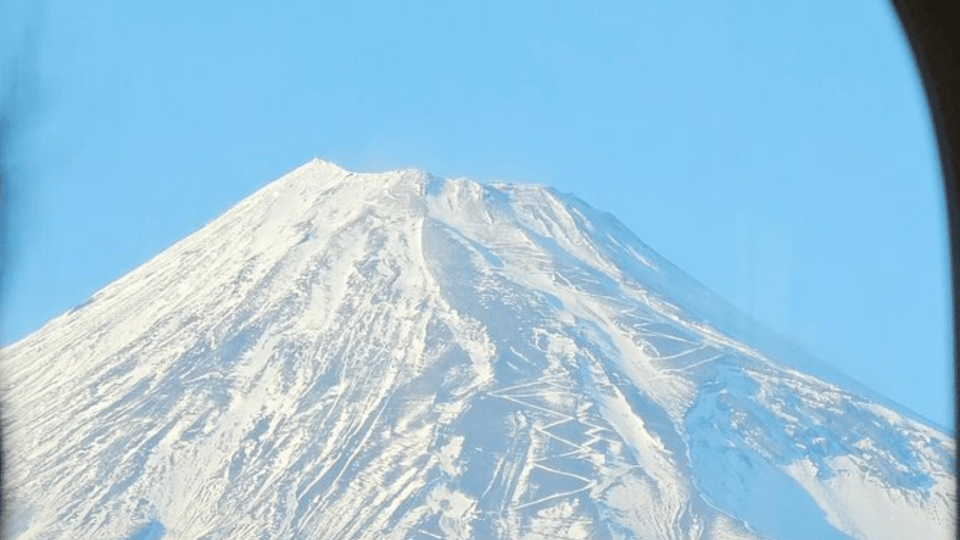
396	355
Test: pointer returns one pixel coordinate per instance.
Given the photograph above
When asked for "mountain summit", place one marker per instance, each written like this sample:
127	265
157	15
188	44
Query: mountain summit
400	356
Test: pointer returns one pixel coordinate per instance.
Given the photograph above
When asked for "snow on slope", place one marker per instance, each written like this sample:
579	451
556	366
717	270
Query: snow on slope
396	355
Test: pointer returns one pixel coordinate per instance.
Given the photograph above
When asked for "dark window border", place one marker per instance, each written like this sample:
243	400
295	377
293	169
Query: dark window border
932	30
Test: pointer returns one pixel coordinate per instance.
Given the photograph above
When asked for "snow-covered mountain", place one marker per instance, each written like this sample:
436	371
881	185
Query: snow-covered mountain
399	356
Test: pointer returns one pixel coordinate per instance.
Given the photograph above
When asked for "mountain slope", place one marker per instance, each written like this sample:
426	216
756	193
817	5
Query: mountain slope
396	355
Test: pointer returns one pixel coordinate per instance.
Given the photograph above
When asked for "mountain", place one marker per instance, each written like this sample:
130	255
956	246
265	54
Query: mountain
400	356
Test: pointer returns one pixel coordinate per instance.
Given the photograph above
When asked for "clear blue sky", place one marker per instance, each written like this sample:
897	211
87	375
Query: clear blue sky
780	152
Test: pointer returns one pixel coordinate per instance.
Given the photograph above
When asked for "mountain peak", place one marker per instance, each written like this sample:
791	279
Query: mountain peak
319	175
320	162
325	167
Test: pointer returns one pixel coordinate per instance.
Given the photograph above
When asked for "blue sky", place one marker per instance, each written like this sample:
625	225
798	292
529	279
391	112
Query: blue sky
780	152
